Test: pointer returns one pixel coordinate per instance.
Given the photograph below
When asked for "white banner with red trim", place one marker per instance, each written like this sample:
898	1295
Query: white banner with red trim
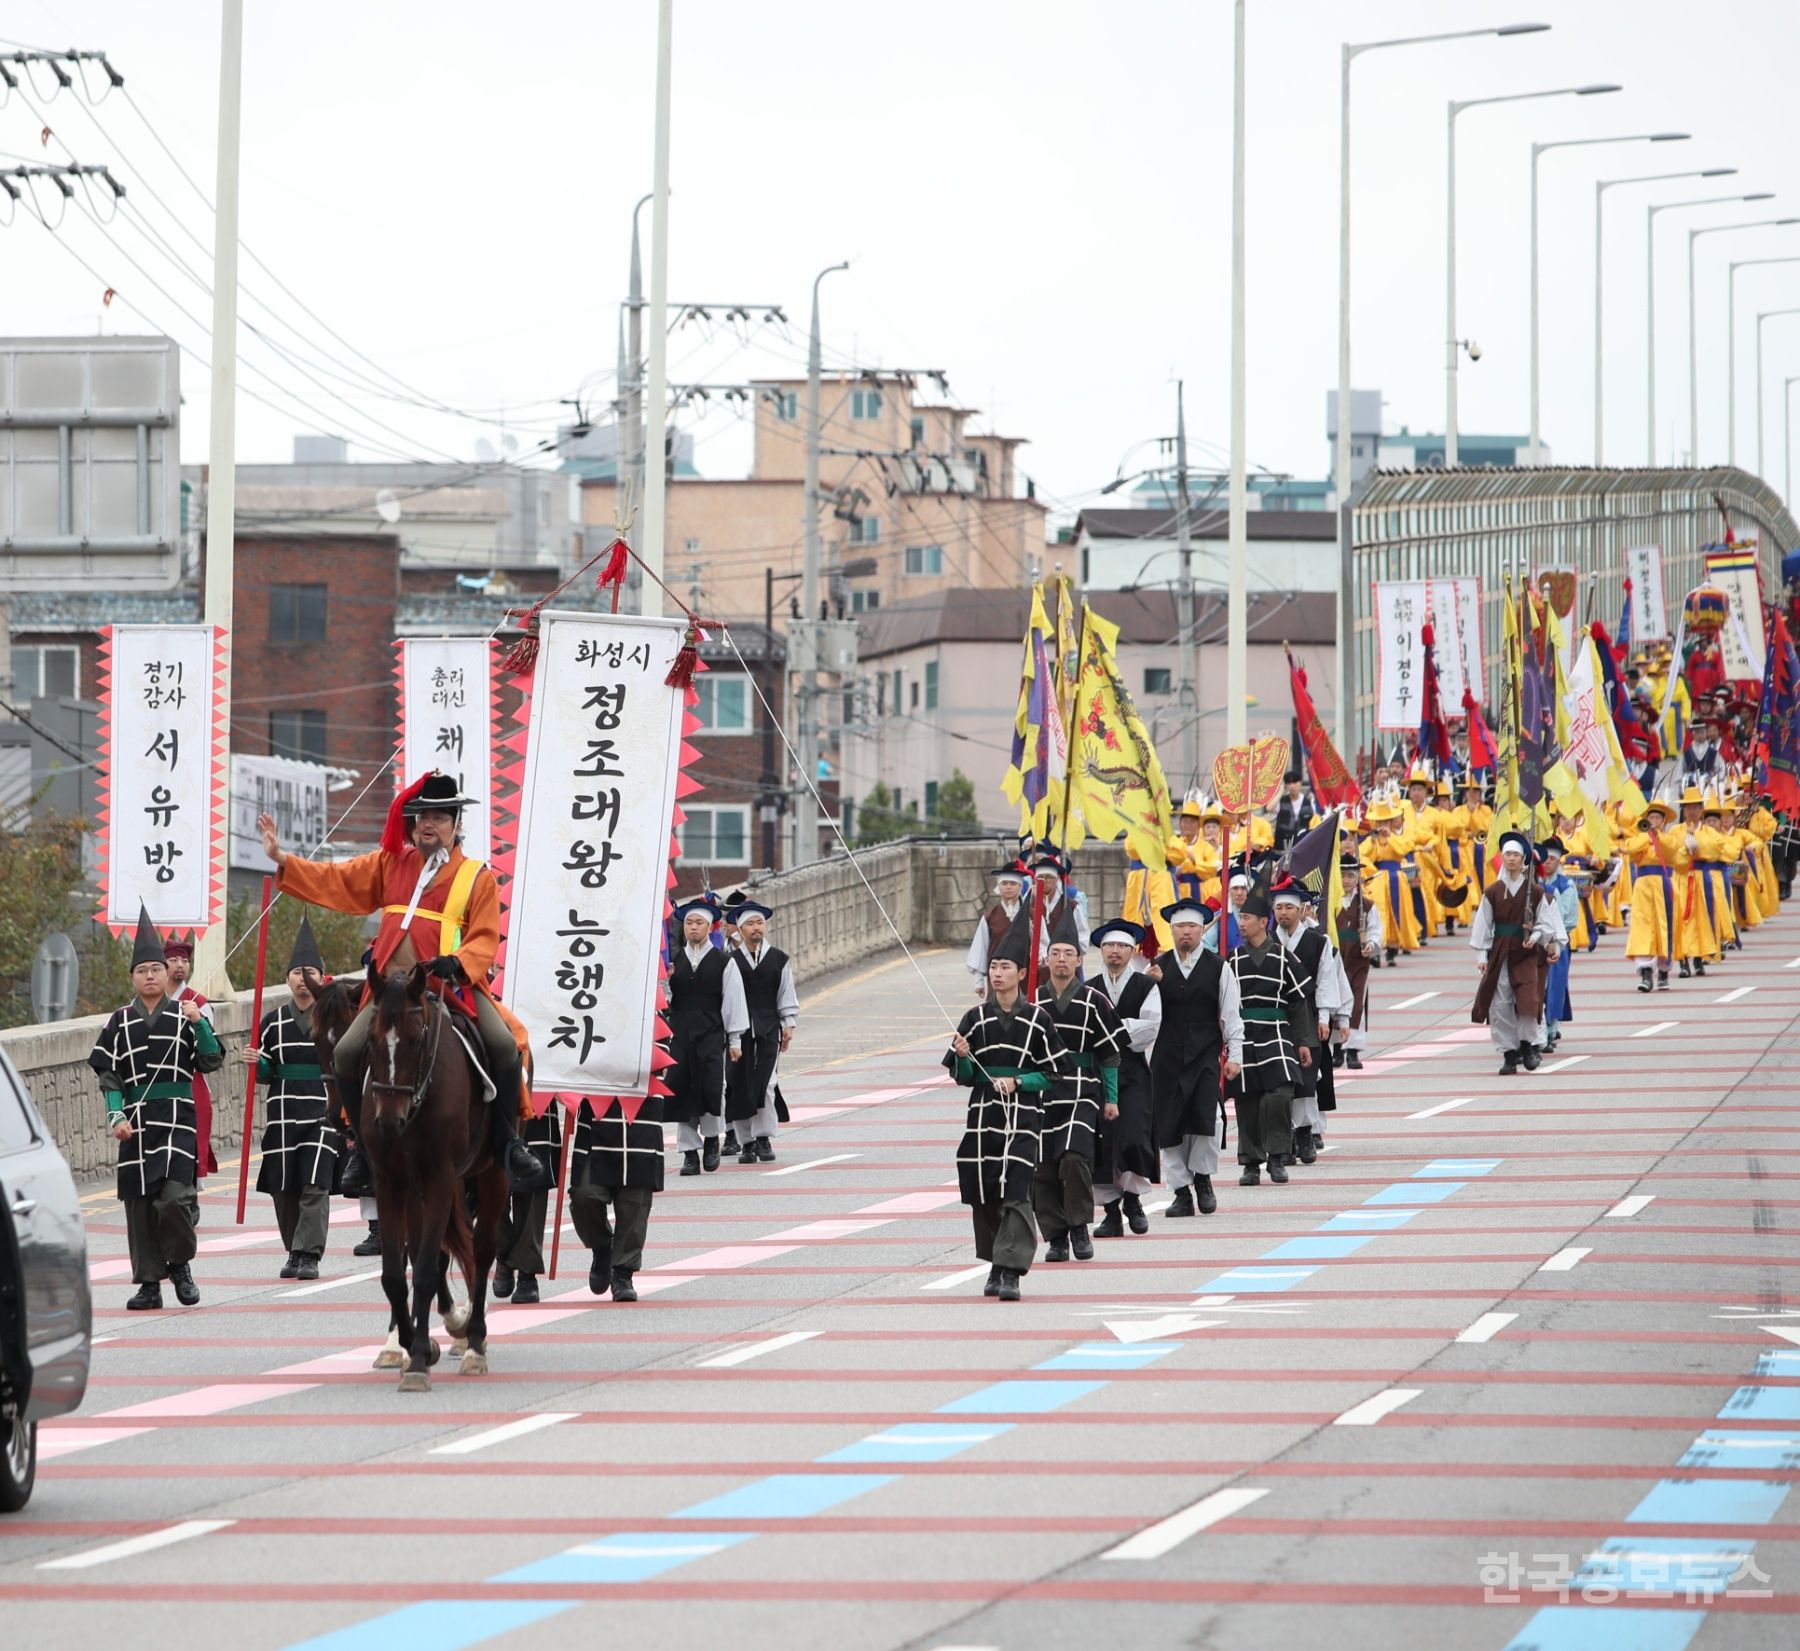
1649	611
448	720
162	743
603	749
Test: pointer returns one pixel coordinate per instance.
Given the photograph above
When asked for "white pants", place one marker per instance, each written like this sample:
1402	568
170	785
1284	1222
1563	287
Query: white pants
1504	1025
1105	1192
1358	1038
687	1136
1197	1155
368	1209
1303	1111
764	1125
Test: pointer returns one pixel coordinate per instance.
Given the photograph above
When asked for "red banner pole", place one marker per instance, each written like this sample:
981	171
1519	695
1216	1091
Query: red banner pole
562	1182
262	957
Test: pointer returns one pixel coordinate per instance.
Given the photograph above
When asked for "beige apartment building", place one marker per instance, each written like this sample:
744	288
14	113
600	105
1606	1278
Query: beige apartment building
912	504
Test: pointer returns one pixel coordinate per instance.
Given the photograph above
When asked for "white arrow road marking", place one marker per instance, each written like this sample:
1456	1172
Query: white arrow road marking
1786	1335
1173	1324
1156	1540
147	1543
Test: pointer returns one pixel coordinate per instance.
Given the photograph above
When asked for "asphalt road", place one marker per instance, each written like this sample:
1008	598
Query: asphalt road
1510	1347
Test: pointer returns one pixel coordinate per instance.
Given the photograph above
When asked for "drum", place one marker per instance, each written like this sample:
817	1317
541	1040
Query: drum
1581	877
1740	874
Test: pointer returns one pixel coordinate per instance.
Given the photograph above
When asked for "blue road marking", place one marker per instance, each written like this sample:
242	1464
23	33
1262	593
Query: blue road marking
1367	1221
1312	1247
1026	1398
625	1556
1411	1192
1769	1404
1607	1628
1244	1280
920	1442
1664	1565
1778	1364
438	1625
1100	1355
1742	1450
787	1496
1709	1502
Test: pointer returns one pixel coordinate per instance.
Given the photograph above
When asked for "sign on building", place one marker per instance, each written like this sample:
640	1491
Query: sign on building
160	735
90	464
295	794
447	721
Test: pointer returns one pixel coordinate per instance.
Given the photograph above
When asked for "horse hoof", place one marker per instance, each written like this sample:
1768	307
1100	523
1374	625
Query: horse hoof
457	1319
390	1358
416	1381
433	1352
474	1364
460	1345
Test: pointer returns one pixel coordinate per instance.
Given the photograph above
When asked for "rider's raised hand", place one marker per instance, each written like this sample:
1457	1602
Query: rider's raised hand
265	823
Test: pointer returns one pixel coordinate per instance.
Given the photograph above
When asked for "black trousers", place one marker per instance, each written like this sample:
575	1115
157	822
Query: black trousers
160	1230
1265	1125
617	1243
1062	1194
1004	1234
521	1236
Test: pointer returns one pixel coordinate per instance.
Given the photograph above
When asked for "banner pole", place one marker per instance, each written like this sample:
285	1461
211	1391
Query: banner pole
562	1182
262	957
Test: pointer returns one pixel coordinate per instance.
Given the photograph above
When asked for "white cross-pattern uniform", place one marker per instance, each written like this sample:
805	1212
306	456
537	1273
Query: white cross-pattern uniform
1333	1000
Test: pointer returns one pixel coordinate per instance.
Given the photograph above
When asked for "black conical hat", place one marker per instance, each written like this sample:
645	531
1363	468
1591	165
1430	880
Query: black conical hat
1015	944
1062	925
305	954
148	947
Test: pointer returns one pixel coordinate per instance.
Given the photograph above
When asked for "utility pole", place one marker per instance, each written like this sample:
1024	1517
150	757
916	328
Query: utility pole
1184	597
221	475
765	804
629	466
655	481
1237	649
806	821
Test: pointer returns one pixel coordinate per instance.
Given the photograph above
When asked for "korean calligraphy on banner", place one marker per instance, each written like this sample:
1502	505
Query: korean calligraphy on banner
160	744
447	721
1649	612
590	872
1736	570
1401	607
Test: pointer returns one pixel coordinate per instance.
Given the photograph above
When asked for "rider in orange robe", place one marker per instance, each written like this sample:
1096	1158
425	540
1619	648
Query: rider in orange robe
423	884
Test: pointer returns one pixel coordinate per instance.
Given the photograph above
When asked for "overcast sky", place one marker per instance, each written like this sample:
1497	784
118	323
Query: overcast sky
1036	196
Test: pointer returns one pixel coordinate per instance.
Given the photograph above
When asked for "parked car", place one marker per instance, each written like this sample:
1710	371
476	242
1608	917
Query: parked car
46	1310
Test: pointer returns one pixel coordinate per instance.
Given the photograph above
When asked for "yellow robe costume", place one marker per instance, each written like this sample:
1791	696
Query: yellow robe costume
1707	924
1657	901
1384	879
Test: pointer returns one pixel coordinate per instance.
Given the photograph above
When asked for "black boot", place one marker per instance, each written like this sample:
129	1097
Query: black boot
765	1150
292	1265
622	1287
1251	1176
1337	1054
1081	1246
1662	980
504	1279
1058	1249
709	1154
1113	1226
1529	1058
147	1299
598	1281
186	1291
748	1154
1278	1170
1306	1149
1509	1063
1687	972
525	1292
1182	1204
1353	1059
308	1268
1204	1195
992	1287
1645	982
1009	1285
371	1245
690	1163
1134	1213
731	1140
353	1178
1700	967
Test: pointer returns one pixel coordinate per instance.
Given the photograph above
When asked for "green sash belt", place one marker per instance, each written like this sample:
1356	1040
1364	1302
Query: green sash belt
1509	931
181	1090
1080	1057
300	1072
1263	1012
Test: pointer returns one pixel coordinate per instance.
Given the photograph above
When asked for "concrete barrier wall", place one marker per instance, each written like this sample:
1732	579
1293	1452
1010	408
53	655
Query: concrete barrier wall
53	1061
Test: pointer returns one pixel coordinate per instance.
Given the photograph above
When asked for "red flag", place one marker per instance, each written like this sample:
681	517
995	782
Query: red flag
1482	753
1333	784
1434	737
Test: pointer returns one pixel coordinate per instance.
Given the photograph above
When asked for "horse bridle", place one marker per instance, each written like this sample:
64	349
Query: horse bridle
415	1091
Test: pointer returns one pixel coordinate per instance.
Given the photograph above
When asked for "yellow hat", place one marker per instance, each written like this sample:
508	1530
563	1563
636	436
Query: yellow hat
1692	795
1444	788
1384	813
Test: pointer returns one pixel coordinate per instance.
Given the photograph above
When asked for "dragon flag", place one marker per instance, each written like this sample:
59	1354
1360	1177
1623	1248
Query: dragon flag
1778	726
1040	751
1333	784
1509	813
1114	773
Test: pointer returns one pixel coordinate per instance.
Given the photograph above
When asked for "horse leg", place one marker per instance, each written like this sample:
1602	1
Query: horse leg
427	1271
393	1283
491	1197
455	1314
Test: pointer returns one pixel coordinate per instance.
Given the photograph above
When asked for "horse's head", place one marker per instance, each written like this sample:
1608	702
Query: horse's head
402	1047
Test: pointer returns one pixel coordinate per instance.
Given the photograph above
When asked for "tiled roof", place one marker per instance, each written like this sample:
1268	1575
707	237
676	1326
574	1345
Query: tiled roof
92	610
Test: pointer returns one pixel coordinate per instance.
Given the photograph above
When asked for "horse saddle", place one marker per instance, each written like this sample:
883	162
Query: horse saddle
460	1001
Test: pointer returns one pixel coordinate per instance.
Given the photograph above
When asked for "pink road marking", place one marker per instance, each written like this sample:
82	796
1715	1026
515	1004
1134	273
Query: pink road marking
731	1255
912	1203
212	1401
826	1229
1466	1034
248	1239
54	1441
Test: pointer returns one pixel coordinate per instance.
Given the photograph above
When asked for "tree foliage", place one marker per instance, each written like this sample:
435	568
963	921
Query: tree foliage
956	803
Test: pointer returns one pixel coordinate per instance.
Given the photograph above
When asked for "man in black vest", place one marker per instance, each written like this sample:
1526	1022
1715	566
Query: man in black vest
1293	814
705	995
771	1010
1200	1021
1125	1158
1327	1003
1009	895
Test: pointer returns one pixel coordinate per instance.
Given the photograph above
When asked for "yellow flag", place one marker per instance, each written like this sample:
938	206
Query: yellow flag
1112	764
1033	779
1509	814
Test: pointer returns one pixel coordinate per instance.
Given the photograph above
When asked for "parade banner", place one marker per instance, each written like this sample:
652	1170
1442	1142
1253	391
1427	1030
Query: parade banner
1559	584
1735	570
162	742
448	719
603	749
294	793
1649	610
1402	607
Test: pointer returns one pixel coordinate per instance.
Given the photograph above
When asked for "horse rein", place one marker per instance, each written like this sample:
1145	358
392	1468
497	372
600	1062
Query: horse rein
415	1091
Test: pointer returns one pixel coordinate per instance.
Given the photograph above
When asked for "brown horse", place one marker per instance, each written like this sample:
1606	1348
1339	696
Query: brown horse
335	1005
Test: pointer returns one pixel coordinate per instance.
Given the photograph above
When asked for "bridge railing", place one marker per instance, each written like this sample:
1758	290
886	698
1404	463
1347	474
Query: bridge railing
1427	524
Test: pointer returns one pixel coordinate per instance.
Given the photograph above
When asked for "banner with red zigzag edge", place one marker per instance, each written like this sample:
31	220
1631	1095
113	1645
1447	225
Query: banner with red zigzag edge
512	773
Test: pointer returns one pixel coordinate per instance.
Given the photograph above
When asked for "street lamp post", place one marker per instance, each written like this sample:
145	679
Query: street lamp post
1600	188
1693	359
1453	345
1731	344
1538	149
1342	468
1766	315
1787	440
1650	303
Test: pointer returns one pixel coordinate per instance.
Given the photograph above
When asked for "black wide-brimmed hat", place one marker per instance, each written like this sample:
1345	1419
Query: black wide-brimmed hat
438	791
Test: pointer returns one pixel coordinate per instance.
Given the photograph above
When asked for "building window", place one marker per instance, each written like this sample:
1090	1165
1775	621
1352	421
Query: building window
787	404
724	705
46	673
918	432
924	558
864	601
715	836
296	613
914	705
866	530
691	546
931	790
1157	679
297	734
898	701
865	404
931	684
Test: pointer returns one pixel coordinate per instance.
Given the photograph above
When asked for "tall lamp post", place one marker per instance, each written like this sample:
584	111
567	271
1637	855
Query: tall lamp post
1731	343
1787	440
1650	300
1600	188
1351	52
1766	315
1538	149
1693	360
1453	346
